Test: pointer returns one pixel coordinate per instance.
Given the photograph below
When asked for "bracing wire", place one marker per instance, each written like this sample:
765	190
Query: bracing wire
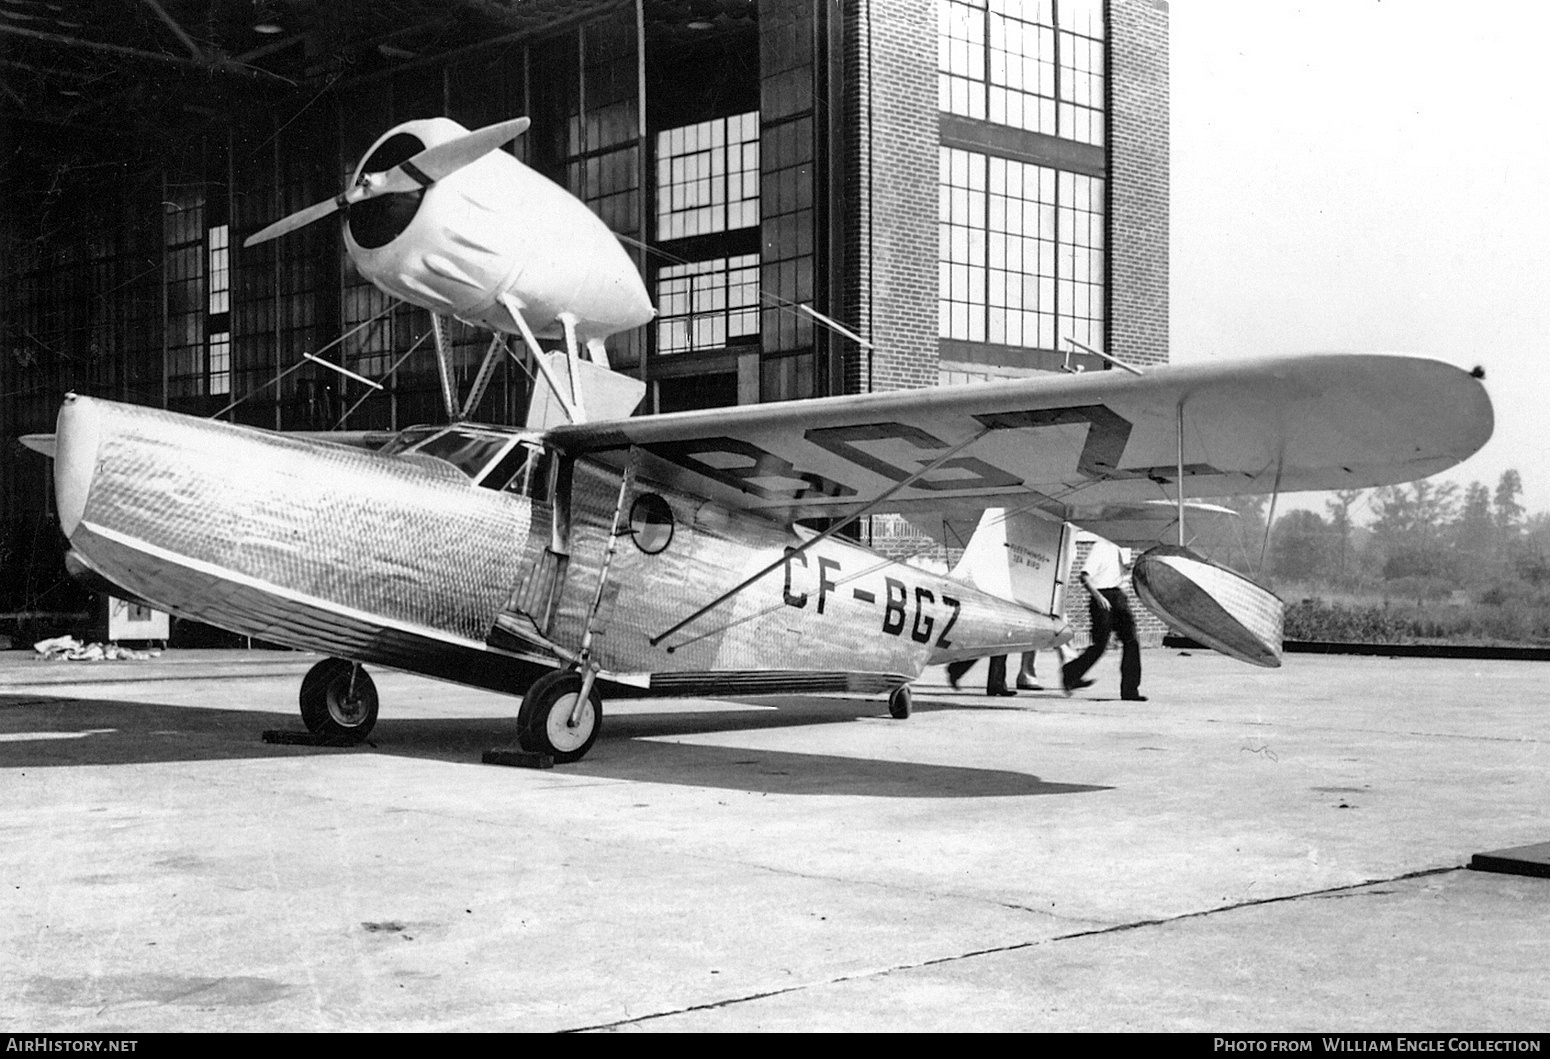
302	363
394	367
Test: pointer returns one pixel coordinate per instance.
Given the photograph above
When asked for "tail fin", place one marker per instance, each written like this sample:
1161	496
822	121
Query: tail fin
595	391
1022	557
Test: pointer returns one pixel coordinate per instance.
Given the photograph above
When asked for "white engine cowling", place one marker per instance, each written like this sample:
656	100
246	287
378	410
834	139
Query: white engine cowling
492	227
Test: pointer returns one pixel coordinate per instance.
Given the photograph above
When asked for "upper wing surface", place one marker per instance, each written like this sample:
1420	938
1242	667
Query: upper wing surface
1333	421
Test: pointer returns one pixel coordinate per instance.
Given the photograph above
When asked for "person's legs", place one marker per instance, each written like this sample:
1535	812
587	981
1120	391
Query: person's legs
1076	669
956	670
1027	679
1130	648
995	680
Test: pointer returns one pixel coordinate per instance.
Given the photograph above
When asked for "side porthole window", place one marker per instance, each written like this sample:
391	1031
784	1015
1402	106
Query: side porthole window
651	523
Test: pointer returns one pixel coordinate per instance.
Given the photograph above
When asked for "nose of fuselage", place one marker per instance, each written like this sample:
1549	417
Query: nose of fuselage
77	436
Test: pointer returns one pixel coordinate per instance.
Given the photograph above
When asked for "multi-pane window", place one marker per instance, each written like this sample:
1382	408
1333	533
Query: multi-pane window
218	284
787	235
961	57
1021	259
707	304
220	363
1079	262
220	269
1081	70
961	262
1032	64
186	306
708	177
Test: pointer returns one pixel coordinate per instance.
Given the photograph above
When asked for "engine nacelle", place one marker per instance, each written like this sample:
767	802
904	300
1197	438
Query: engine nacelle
493	227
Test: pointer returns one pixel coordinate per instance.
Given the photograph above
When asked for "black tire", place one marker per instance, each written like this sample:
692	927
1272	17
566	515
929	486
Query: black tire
338	700
900	701
543	723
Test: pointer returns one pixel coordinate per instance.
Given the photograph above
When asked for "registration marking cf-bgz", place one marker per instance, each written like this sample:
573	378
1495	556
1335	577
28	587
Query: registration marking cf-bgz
917	611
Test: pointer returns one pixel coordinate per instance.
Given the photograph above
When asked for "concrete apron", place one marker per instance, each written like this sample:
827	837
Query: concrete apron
1270	850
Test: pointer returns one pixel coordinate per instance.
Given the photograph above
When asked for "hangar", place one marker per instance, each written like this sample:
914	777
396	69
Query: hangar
962	183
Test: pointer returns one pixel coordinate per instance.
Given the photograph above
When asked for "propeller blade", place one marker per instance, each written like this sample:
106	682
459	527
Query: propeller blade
316	212
420	171
444	159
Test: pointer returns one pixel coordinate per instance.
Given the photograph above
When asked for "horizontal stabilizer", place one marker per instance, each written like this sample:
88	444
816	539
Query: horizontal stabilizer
43	443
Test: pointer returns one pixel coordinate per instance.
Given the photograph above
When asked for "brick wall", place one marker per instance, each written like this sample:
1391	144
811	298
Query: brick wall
890	210
1138	180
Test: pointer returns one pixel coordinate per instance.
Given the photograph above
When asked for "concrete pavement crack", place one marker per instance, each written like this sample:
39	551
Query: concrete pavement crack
997	949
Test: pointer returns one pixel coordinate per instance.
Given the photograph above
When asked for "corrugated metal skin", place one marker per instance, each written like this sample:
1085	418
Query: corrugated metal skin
254	611
366	532
713	549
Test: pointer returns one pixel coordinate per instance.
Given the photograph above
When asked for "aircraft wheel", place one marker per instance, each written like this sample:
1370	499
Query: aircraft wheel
339	700
900	701
544	721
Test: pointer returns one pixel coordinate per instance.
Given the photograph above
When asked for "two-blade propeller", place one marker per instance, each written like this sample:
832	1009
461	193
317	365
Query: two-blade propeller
420	171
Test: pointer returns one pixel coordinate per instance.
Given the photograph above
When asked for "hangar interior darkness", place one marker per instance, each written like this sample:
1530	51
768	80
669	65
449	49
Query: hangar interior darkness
144	140
967	183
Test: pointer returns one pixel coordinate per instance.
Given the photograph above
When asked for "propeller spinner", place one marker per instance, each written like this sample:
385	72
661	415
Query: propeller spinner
413	174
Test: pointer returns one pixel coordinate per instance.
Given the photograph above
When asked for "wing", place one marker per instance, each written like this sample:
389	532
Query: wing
1065	443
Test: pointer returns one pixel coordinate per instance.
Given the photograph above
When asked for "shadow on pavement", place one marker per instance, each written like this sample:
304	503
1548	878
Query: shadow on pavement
39	731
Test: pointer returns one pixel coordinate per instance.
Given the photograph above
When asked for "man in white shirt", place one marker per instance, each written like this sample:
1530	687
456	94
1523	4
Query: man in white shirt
1102	575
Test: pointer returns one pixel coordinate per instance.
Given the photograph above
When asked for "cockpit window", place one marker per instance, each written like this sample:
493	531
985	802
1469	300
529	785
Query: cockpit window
494	459
406	438
506	467
532	477
467	451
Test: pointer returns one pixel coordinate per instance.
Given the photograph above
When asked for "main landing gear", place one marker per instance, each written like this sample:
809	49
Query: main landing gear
555	720
338	700
899	702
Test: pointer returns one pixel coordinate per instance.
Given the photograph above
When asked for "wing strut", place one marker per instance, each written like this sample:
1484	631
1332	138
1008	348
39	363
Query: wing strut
1275	494
510	305
486	373
1179	481
444	368
589	669
825	535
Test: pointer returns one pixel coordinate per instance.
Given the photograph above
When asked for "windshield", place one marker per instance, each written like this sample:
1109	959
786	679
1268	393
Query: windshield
407	437
469	452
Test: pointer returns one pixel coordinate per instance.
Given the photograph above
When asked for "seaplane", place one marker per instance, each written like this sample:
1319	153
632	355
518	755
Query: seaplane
594	552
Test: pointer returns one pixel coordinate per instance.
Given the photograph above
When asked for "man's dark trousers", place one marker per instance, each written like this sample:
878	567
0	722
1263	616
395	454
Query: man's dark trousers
1119	620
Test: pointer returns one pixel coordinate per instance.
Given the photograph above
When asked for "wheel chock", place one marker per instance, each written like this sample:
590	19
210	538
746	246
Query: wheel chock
1516	860
522	759
288	738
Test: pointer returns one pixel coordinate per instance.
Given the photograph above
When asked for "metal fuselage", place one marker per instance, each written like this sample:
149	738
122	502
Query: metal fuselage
401	562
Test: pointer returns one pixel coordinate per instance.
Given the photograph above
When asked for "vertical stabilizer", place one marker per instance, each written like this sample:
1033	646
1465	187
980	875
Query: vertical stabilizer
1022	557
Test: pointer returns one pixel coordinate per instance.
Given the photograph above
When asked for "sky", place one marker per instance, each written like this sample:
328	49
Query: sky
1357	175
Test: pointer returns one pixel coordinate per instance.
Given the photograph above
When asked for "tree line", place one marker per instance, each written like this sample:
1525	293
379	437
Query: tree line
1424	540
